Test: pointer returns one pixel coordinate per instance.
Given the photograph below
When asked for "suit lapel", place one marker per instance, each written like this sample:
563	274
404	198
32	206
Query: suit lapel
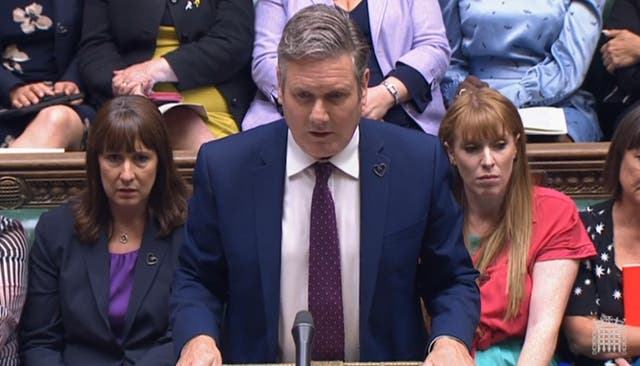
376	14
268	191
151	257
374	185
97	261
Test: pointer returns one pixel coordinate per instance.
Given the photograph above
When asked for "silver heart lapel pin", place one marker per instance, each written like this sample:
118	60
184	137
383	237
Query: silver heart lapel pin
380	169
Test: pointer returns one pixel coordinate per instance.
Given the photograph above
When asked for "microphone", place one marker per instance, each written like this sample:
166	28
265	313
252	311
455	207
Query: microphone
302	332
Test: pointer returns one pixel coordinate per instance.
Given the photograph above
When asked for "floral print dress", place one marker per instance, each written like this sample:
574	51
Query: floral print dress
27	49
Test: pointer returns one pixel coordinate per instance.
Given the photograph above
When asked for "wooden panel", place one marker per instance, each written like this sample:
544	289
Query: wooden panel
34	180
575	169
46	180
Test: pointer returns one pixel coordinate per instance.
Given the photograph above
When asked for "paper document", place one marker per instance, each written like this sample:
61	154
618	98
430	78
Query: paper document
198	108
543	121
25	150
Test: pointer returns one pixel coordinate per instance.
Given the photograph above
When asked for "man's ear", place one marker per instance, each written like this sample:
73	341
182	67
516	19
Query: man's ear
280	86
365	85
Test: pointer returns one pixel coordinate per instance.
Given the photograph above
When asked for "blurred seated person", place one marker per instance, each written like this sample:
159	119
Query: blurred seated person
101	267
534	53
38	43
409	56
526	241
596	306
14	249
201	49
620	56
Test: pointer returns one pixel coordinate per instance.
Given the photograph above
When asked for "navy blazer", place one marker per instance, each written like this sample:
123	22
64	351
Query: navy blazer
66	316
411	247
67	22
216	39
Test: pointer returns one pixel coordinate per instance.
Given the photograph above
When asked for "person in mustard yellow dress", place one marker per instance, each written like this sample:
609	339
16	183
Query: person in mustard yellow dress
199	48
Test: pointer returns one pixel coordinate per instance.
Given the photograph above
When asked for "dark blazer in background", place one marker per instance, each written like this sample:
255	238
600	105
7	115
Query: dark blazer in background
66	316
216	42
625	14
411	247
67	24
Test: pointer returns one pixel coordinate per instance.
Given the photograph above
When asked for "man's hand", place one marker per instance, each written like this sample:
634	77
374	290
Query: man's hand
471	83
448	351
67	88
200	351
26	95
621	50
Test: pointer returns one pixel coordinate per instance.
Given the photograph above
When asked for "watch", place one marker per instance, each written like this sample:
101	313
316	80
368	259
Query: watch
393	90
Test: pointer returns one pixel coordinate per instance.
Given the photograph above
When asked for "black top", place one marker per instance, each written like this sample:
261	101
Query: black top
598	287
216	39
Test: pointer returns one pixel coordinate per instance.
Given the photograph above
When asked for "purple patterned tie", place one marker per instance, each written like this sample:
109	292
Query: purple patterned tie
325	286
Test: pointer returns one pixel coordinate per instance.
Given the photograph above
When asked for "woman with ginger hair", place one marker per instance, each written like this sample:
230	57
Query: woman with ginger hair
526	241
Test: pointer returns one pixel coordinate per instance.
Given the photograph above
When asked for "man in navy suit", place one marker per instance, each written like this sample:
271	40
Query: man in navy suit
246	268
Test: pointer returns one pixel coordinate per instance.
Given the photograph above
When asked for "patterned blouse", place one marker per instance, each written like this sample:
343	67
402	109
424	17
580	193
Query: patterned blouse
598	287
13	286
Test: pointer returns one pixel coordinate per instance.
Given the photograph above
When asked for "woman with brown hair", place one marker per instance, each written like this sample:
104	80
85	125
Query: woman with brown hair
595	319
526	241
101	267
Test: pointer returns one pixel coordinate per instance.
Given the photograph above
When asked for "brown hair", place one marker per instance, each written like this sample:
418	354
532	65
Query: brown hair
626	137
486	114
119	123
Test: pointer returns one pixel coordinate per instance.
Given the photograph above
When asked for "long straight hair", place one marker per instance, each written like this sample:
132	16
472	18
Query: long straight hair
486	114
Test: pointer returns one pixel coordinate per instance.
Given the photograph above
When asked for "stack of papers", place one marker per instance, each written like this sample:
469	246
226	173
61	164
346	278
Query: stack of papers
543	121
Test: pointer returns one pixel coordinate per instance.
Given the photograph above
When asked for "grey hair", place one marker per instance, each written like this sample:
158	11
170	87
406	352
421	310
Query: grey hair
320	32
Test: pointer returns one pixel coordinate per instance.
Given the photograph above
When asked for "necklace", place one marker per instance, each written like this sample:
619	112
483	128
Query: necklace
124	238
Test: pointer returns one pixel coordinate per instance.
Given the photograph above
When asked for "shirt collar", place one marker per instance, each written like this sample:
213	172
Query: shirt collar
346	160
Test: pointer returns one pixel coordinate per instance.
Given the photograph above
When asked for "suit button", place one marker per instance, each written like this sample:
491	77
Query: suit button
61	28
234	102
173	1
